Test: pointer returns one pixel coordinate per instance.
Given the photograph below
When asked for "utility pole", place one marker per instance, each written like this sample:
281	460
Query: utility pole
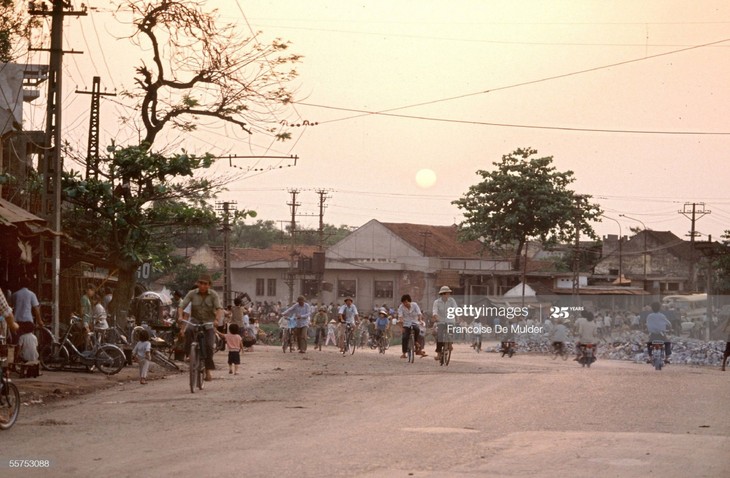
226	208
51	163
576	254
292	252
92	151
693	217
322	193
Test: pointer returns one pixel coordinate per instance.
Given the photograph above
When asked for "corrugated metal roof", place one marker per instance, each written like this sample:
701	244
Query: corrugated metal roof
12	214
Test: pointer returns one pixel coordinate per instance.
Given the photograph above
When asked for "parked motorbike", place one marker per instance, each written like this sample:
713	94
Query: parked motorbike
508	348
108	358
587	355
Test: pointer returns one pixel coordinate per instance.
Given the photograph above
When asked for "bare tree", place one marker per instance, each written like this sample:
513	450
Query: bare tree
203	68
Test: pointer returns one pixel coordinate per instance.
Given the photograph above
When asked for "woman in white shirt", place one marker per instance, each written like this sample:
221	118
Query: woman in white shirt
408	315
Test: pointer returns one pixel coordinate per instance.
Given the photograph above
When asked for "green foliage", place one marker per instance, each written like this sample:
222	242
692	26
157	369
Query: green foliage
721	269
183	276
12	26
525	197
138	196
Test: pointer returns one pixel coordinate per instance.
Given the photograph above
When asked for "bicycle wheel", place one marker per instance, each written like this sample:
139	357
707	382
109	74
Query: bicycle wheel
381	344
352	343
9	405
193	357
411	347
110	359
284	340
53	357
446	351
160	359
201	371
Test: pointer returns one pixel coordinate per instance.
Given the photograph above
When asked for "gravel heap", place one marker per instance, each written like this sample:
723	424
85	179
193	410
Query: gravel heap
632	346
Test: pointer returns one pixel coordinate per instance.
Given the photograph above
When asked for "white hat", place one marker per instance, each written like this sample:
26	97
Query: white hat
445	289
383	311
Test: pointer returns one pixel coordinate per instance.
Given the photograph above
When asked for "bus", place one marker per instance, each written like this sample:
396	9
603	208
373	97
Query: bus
691	307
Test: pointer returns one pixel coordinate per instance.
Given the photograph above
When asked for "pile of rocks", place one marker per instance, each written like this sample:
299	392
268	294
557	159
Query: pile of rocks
632	346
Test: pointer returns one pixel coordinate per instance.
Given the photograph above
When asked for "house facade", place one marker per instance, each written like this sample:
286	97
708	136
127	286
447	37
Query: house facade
657	261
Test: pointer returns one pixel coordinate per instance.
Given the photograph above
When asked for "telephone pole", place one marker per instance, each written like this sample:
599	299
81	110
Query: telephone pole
693	216
92	151
51	163
292	252
226	208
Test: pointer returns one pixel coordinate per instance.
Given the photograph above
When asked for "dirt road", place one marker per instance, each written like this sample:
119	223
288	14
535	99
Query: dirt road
322	414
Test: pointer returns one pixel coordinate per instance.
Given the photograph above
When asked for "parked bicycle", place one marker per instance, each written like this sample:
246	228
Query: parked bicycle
107	358
9	394
197	354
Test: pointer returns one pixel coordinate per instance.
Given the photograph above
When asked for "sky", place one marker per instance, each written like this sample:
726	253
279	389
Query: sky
630	96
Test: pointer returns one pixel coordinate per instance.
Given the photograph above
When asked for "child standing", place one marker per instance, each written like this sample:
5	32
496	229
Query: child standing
234	345
142	354
331	330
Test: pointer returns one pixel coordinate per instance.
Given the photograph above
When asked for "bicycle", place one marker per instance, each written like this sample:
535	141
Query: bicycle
411	347
559	349
286	340
446	350
381	341
108	358
9	394
477	343
197	354
349	344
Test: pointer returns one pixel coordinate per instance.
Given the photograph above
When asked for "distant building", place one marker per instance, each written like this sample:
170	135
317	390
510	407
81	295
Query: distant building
657	261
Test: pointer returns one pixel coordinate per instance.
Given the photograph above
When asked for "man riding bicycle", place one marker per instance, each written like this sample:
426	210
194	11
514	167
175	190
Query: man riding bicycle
347	314
205	308
441	307
408	315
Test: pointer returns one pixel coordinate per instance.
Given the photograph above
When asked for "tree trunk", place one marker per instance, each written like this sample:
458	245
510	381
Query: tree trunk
518	255
124	291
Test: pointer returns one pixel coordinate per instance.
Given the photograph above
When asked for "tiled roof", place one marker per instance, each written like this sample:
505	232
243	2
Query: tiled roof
436	241
277	252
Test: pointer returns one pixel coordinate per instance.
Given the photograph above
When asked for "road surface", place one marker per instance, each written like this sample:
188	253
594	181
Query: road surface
369	415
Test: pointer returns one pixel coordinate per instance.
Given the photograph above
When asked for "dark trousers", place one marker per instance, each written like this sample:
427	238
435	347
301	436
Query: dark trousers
441	336
407	331
301	334
208	344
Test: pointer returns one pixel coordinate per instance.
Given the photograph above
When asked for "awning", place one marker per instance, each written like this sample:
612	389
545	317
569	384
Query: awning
29	224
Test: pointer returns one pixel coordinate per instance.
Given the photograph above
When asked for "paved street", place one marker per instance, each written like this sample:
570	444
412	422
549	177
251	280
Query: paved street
322	414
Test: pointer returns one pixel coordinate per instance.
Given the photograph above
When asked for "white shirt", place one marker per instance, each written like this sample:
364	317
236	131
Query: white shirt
409	316
441	308
348	313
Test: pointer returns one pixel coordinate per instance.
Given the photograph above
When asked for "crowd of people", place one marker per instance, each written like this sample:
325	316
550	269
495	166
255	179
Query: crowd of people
236	326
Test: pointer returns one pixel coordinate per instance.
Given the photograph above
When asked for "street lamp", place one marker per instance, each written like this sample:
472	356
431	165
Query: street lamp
620	249
645	251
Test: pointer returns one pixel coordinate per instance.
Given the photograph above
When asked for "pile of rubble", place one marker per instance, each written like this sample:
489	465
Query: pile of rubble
632	346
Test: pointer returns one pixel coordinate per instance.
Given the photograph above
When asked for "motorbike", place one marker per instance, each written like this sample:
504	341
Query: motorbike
107	358
508	348
587	355
657	354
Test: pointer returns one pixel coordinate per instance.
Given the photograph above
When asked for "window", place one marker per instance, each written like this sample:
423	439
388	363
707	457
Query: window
259	287
383	289
271	287
346	288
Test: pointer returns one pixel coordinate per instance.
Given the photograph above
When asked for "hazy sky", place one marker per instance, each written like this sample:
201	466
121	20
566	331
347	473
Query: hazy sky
618	92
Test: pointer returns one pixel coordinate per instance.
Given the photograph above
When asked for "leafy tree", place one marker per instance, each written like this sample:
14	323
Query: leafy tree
721	268
203	68
525	197
13	25
136	197
126	212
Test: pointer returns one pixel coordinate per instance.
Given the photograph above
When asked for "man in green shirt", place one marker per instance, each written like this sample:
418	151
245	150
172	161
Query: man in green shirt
205	307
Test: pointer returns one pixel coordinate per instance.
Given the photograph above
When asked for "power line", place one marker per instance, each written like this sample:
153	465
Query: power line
388	112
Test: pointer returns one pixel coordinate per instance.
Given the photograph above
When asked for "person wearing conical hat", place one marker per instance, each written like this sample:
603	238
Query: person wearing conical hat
442	317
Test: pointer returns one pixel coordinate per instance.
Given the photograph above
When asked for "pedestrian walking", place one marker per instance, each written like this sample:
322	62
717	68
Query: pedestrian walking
142	353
